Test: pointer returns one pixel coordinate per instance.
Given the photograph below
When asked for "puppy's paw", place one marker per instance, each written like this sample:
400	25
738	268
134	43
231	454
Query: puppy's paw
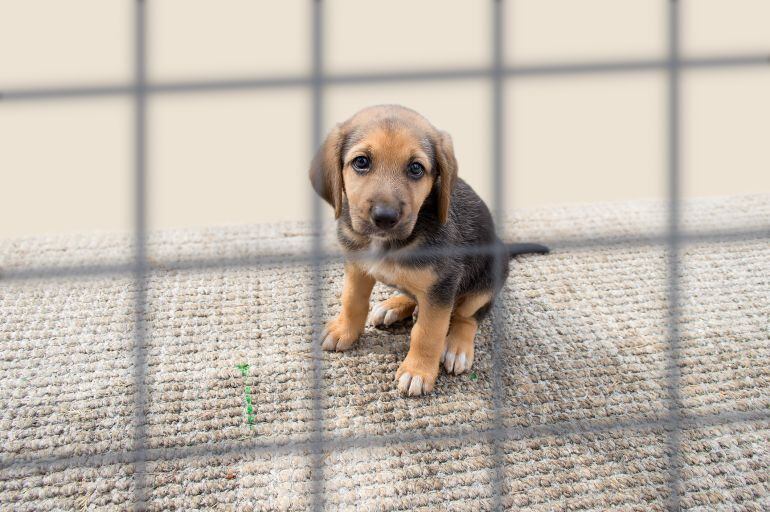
416	377
339	335
458	355
395	309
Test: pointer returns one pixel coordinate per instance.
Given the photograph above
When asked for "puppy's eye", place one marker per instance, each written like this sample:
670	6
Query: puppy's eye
361	163
415	170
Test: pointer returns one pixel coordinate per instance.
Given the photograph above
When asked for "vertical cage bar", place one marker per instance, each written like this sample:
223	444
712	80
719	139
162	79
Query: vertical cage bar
140	256
498	211
317	473
673	260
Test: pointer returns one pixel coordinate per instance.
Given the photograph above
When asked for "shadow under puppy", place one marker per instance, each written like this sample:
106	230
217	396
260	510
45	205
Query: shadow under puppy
404	218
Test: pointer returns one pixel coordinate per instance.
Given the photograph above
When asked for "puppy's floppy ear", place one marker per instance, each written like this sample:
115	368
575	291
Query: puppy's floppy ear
326	170
447	172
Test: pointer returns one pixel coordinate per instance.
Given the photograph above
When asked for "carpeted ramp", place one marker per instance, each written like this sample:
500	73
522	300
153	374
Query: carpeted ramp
584	352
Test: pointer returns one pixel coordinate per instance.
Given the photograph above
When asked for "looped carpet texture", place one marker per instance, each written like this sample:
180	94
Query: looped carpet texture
229	380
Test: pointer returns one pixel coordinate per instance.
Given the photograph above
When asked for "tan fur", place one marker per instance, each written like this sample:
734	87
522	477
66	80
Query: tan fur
343	331
415	281
468	305
353	235
446	160
325	173
459	342
397	308
391	150
417	374
392	146
458	355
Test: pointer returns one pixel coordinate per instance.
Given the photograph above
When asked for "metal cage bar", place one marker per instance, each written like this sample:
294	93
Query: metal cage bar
317	454
549	70
140	256
673	172
306	258
305	444
498	211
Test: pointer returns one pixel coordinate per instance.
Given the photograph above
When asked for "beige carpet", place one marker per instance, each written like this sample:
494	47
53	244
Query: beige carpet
585	365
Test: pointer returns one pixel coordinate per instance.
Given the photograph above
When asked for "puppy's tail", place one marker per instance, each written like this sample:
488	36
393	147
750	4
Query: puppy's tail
516	249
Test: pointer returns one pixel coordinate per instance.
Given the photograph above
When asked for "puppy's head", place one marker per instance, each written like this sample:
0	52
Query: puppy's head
385	161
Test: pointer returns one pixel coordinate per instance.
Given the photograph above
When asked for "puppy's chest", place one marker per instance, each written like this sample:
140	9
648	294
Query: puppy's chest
385	271
413	280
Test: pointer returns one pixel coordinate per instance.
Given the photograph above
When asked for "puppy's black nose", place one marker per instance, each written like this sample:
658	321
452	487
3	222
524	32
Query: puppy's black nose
384	217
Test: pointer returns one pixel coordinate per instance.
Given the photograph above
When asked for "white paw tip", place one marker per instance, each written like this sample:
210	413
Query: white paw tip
460	364
391	316
378	315
329	343
449	361
403	382
415	389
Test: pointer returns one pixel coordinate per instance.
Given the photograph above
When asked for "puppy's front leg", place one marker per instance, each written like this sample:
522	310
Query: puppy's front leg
417	374
343	331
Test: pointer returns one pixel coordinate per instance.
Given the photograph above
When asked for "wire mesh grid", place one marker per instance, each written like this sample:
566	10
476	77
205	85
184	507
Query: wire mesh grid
317	444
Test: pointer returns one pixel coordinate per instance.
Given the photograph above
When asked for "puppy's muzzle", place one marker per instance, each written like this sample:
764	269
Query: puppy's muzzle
384	216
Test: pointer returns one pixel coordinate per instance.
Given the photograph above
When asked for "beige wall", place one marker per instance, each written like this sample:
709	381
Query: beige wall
241	157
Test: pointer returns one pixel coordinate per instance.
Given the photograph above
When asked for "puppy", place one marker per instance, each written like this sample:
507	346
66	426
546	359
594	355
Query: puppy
391	178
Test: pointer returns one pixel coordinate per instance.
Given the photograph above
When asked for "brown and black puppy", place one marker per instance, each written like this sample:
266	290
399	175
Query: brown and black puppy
400	208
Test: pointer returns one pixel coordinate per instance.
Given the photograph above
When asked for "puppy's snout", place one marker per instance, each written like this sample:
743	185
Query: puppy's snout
384	216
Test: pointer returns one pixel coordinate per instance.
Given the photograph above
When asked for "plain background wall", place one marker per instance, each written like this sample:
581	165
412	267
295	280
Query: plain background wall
241	157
